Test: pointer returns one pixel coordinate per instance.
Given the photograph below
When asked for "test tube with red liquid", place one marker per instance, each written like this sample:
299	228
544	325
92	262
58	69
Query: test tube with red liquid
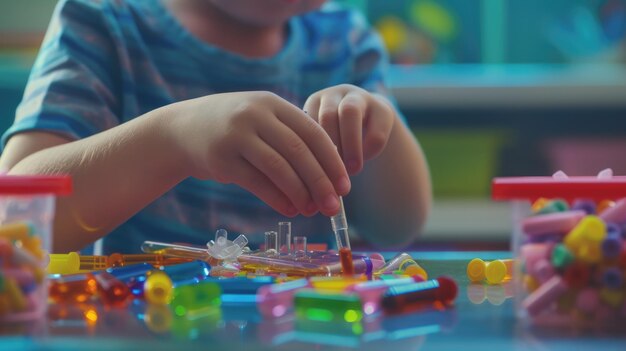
340	227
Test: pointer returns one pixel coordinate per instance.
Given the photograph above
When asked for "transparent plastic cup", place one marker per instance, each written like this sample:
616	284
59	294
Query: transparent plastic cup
26	218
569	243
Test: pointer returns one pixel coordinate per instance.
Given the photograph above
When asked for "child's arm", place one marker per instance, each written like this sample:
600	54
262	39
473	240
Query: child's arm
391	195
256	140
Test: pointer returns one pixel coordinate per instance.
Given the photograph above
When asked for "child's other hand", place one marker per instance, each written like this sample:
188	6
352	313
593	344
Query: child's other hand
358	122
264	144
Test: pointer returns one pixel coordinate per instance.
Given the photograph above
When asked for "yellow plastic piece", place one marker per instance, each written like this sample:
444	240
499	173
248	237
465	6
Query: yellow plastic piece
16	231
585	240
476	270
335	283
64	263
412	268
613	297
17	300
530	284
33	245
539	204
495	272
158	288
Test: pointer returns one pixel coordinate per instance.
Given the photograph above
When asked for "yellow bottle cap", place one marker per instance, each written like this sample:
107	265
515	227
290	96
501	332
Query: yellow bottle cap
158	288
476	270
495	271
64	263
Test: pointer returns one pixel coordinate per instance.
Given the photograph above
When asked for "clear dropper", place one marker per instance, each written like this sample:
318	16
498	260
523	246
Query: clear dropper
340	227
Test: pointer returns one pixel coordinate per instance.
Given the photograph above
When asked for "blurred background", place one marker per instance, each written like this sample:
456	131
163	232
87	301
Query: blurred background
489	87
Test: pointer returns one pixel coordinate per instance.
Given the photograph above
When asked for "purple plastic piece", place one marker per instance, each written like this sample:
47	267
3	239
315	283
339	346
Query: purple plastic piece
612	245
623	230
612	277
585	205
613	229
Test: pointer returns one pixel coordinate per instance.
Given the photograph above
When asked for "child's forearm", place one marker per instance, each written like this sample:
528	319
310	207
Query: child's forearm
115	174
392	196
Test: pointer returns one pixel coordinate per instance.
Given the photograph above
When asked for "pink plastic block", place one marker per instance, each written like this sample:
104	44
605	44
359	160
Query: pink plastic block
615	214
588	300
552	223
545	295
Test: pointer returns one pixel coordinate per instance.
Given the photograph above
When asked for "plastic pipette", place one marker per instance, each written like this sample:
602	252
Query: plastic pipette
340	227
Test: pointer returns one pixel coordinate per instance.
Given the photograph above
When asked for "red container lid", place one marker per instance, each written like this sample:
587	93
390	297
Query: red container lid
532	188
32	185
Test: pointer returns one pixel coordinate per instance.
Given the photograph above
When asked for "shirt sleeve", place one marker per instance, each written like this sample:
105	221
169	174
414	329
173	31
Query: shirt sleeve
71	90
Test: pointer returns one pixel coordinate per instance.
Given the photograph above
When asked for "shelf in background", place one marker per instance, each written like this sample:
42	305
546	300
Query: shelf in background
462	86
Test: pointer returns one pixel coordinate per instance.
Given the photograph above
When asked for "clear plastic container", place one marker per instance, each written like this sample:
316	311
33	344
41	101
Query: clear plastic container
569	243
26	219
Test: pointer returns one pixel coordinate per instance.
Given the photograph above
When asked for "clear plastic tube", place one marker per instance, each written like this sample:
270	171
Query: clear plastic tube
271	243
284	237
340	227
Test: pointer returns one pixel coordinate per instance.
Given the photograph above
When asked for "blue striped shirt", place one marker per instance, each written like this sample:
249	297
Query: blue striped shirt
103	63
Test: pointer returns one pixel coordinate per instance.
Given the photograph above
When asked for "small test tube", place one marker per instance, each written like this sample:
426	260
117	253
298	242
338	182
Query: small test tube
271	243
158	260
174	250
371	292
129	273
299	247
340	228
402	297
284	237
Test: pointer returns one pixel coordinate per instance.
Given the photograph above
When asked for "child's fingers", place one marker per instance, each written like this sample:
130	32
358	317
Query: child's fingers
328	118
351	112
279	171
250	178
379	121
319	143
312	106
306	166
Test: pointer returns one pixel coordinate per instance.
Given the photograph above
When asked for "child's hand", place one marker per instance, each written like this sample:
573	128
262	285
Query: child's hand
358	122
264	144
